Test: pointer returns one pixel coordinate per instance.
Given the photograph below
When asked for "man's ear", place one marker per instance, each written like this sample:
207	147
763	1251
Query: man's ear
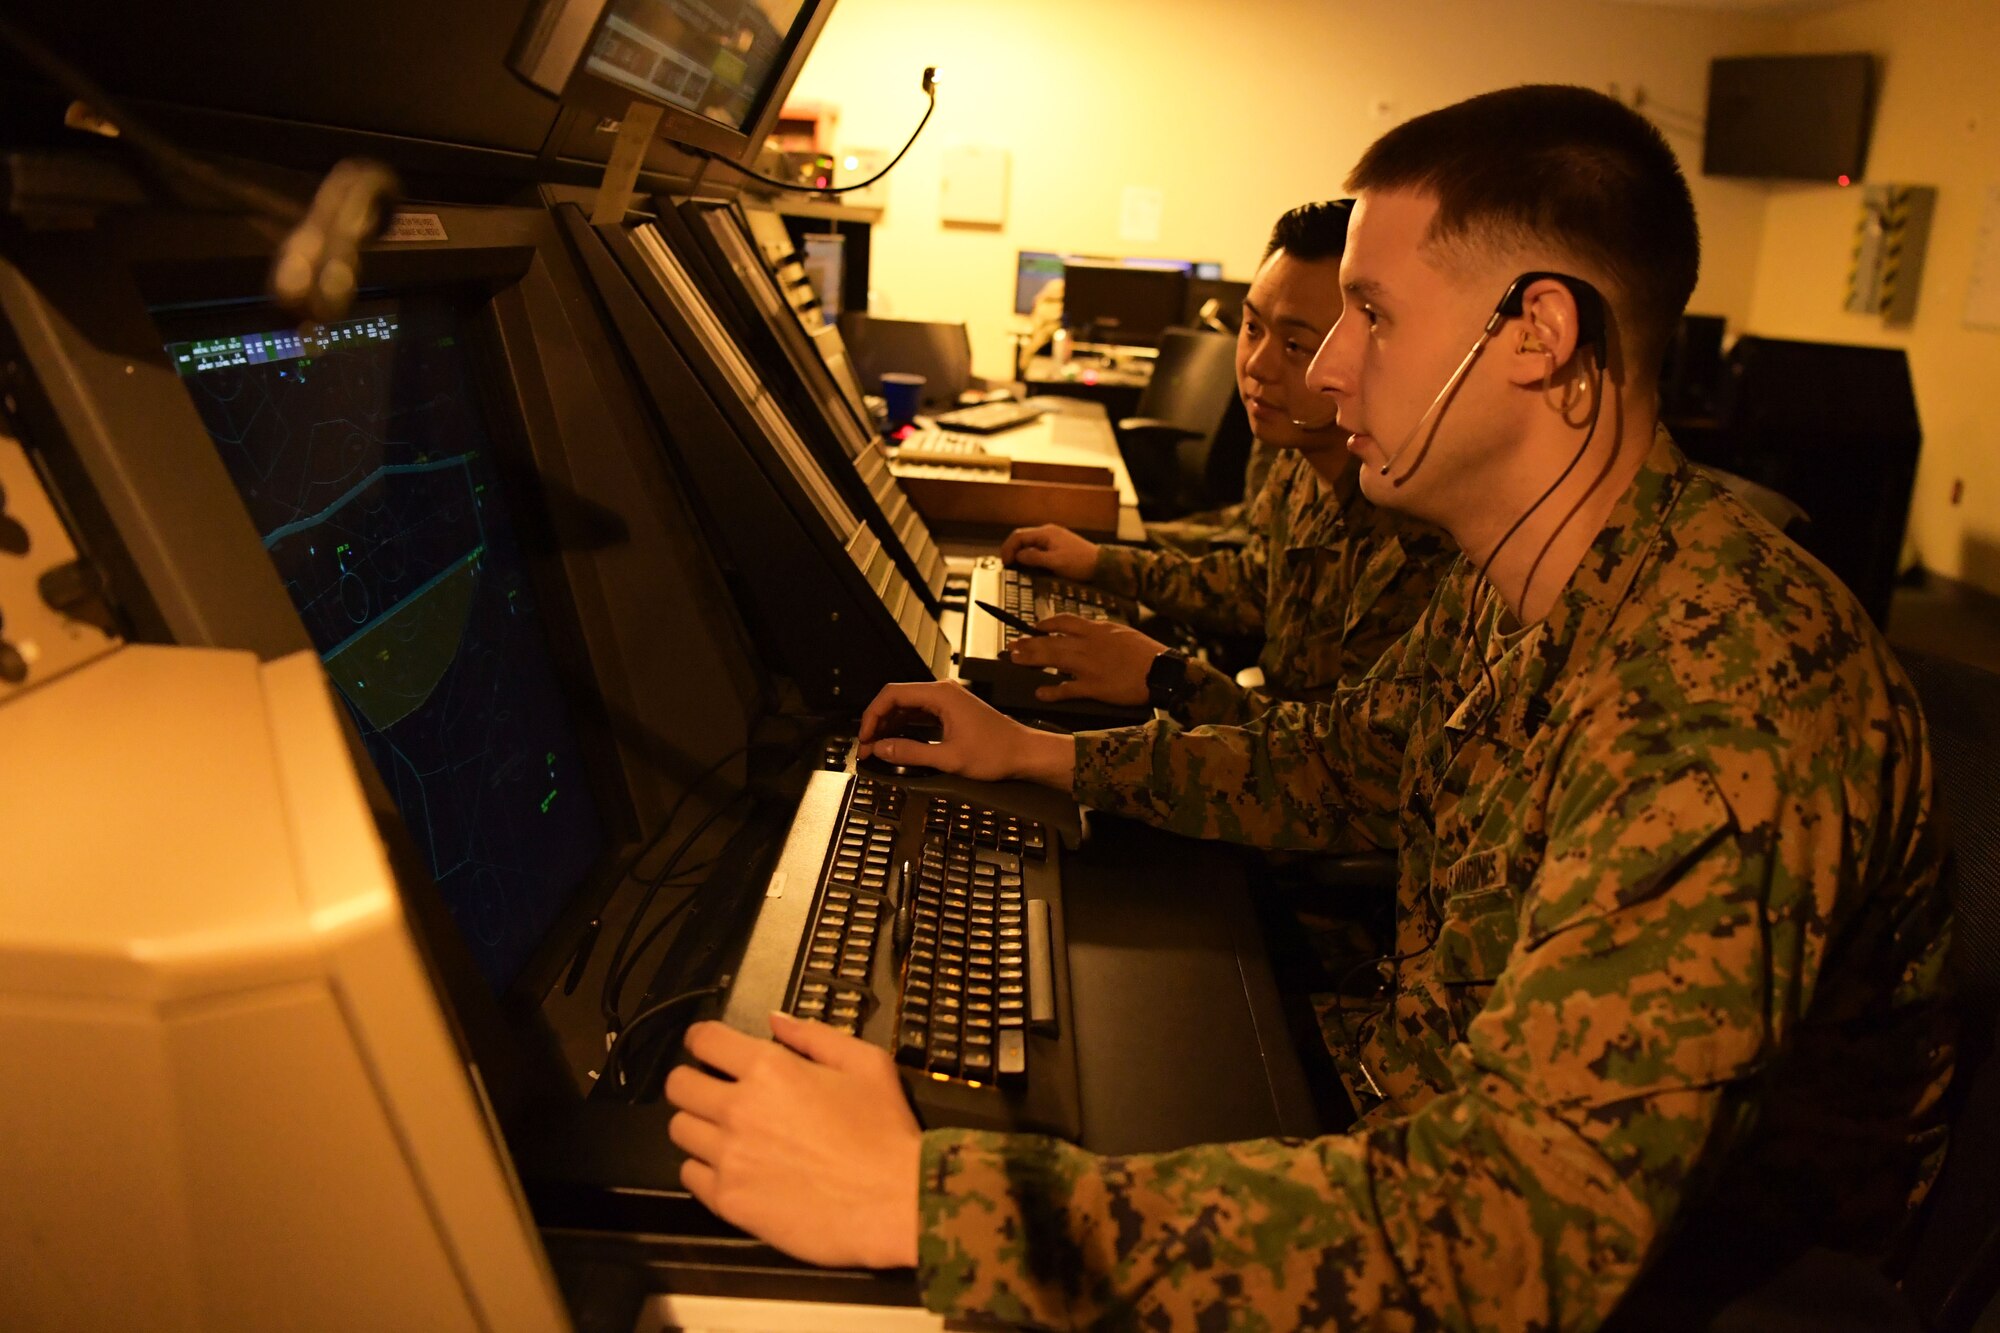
1543	339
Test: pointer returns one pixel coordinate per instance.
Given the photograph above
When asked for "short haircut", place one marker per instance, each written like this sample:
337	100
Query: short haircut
1564	167
1311	231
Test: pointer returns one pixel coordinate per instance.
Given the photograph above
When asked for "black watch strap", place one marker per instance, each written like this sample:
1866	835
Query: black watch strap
1168	682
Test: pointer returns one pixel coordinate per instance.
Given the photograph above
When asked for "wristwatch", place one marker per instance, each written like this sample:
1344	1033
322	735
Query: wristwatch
1168	683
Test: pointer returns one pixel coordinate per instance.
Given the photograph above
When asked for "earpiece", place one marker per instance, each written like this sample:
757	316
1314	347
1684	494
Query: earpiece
1530	343
1590	311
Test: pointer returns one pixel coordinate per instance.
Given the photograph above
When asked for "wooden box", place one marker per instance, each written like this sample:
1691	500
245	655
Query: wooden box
1083	499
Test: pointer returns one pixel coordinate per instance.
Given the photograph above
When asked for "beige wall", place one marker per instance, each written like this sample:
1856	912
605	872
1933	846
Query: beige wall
1238	111
1937	123
1235	111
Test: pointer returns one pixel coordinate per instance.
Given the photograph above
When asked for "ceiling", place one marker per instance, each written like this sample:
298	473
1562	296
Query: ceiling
1740	6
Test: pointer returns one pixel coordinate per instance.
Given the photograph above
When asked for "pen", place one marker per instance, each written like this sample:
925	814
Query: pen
1008	618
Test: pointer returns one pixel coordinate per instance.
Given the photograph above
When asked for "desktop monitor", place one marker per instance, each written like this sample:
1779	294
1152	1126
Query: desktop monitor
364	454
1034	270
1122	304
717	68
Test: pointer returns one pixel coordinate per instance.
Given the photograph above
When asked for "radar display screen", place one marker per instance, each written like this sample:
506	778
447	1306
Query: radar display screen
362	452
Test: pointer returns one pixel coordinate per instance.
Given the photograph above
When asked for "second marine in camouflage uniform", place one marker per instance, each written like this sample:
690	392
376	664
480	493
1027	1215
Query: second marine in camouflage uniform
1328	579
1634	838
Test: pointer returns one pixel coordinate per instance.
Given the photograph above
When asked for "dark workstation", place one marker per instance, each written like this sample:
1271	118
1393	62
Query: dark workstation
457	499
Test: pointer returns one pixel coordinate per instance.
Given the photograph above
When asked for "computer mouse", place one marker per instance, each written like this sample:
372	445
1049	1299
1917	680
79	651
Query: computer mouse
907	724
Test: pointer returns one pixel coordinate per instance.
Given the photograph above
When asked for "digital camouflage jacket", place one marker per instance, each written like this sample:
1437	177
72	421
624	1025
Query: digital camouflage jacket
1328	579
1670	944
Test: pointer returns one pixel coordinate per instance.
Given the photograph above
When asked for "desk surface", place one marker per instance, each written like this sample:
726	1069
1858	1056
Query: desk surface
1134	374
1180	1041
1075	432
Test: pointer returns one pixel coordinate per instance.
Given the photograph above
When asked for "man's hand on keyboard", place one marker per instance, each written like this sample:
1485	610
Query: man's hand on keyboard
974	741
1104	660
815	1153
1052	548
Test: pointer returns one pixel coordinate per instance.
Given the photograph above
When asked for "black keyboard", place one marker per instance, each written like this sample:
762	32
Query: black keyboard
978	951
1035	598
929	924
989	418
982	658
854	909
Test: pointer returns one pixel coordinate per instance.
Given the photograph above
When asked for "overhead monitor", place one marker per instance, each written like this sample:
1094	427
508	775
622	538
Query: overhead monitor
718	68
1789	117
363	452
1122	305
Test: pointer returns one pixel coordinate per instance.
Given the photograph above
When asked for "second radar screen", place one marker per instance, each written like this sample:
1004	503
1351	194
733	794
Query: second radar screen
362	453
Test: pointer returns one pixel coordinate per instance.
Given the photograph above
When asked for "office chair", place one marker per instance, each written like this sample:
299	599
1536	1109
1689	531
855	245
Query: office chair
1949	1270
1834	429
1169	446
941	353
1953	1272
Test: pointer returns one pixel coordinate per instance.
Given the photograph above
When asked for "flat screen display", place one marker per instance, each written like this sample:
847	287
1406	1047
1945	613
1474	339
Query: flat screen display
1121	304
1034	270
1789	117
715	58
363	453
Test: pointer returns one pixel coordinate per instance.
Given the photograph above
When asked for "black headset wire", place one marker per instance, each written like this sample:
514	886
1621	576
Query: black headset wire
1351	1026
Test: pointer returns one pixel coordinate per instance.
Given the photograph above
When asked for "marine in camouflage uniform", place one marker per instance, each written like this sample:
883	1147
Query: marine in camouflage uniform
1327	578
1634	838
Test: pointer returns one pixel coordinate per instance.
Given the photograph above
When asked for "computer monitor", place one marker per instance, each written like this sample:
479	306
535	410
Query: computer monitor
1122	304
717	68
364	455
1228	297
1034	270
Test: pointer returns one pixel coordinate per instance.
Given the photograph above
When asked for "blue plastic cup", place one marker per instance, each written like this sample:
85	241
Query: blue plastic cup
904	393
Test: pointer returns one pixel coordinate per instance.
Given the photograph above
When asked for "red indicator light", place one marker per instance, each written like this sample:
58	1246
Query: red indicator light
1845	181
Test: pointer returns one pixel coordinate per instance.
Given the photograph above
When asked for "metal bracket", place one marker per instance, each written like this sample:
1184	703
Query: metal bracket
621	173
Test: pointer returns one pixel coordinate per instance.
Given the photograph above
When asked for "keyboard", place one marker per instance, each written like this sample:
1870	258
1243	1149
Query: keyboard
989	418
977	967
944	449
982	656
929	923
1034	598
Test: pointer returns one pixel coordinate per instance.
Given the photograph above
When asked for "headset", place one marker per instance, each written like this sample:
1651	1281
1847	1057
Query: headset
1591	327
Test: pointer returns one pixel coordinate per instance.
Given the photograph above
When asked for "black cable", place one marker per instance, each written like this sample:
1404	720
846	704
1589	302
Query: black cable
631	868
667	918
618	969
930	90
639	1020
164	153
659	927
590	935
